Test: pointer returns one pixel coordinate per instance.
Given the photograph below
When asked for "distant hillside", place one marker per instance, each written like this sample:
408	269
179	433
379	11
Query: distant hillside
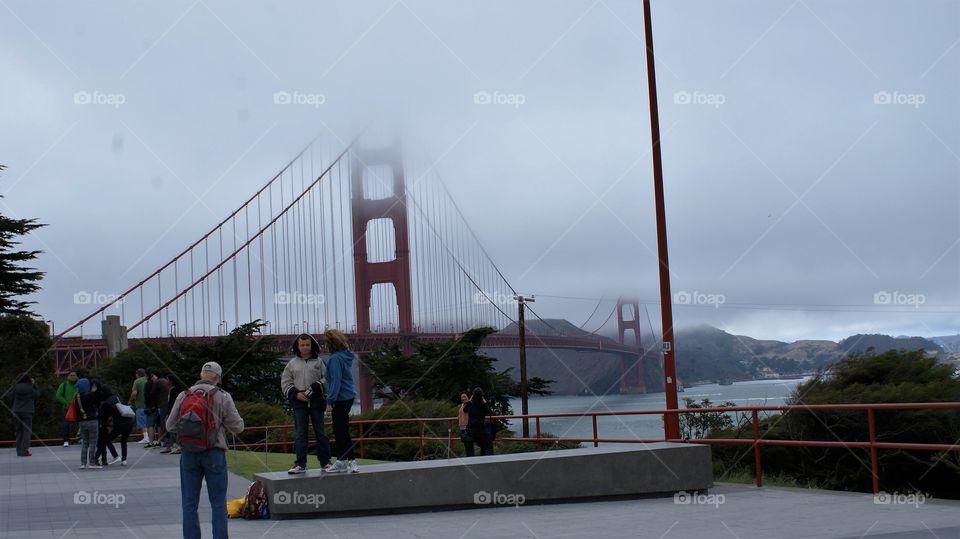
704	354
949	343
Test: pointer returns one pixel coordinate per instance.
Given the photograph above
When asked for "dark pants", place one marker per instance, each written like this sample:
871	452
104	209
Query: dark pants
195	467
479	437
102	434
165	438
66	429
24	430
303	416
122	430
341	429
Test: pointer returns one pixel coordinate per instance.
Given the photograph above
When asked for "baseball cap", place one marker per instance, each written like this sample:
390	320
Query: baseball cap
212	366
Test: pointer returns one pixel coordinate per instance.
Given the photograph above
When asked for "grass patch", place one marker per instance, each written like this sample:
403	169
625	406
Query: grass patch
745	477
247	463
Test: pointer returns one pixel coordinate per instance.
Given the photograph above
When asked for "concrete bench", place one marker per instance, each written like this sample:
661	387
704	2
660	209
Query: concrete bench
497	480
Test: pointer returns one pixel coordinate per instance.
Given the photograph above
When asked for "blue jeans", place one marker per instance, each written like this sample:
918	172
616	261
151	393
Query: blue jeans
194	468
302	417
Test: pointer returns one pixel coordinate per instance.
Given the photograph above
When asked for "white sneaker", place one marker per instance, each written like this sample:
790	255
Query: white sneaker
83	466
353	467
115	460
123	463
338	466
94	467
66	444
296	470
144	441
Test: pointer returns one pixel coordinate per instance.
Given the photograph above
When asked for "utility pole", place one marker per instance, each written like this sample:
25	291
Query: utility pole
671	422
521	300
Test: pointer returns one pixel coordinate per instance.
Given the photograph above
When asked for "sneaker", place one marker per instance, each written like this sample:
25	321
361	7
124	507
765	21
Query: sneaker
123	463
175	451
296	470
166	450
116	460
353	467
66	444
143	441
83	466
339	466
95	467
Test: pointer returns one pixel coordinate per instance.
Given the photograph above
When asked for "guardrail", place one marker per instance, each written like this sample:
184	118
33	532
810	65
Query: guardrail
449	425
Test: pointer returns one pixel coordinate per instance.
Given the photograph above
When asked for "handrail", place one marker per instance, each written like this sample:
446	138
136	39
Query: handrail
425	433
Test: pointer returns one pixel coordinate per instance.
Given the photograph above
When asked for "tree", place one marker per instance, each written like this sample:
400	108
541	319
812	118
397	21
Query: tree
251	366
441	371
15	279
701	425
24	346
891	377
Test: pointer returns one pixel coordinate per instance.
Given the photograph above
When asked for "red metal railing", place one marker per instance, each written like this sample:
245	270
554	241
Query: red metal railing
449	424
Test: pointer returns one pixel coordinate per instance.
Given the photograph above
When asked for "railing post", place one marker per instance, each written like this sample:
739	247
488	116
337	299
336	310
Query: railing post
360	432
266	446
873	451
420	422
758	470
595	442
449	438
539	445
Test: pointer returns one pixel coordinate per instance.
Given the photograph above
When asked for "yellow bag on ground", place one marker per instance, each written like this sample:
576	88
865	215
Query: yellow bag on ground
235	508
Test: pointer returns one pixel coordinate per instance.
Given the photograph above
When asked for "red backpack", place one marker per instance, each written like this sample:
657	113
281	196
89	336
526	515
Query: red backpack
197	422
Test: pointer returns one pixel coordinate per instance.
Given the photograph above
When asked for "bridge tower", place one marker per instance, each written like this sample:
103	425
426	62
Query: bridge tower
366	273
631	369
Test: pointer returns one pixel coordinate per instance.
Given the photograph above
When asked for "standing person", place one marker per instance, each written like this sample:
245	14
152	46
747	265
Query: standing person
476	410
137	398
25	394
302	385
120	427
150	409
173	448
341	392
65	392
201	416
105	420
166	402
159	392
88	409
462	420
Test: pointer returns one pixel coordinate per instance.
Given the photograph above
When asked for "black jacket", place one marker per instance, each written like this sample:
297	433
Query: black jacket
24	397
476	412
90	405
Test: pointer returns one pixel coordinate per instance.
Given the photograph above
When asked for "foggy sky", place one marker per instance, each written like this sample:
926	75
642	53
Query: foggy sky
794	191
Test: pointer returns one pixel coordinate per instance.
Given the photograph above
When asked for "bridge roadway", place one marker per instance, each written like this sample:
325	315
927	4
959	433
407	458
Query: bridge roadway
38	498
76	352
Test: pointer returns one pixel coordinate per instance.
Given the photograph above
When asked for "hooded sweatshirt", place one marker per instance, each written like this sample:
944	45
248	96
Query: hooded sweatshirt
65	392
340	385
299	374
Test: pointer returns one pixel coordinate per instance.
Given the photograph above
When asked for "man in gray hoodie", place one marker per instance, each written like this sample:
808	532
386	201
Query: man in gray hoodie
204	454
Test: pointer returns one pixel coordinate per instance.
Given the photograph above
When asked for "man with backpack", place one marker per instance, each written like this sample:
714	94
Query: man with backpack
201	417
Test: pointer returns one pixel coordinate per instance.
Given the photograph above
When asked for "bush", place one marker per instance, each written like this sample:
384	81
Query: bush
259	414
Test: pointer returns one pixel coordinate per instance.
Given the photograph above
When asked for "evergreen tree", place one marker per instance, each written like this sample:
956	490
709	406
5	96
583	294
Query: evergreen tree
15	279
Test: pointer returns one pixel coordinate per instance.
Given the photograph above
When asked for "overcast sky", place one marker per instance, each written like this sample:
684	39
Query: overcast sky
811	148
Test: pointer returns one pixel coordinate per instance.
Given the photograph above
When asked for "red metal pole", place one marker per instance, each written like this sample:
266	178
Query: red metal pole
595	443
671	422
873	451
758	471
421	438
539	445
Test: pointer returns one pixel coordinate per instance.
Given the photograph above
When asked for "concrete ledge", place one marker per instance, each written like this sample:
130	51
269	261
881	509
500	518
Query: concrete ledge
525	478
